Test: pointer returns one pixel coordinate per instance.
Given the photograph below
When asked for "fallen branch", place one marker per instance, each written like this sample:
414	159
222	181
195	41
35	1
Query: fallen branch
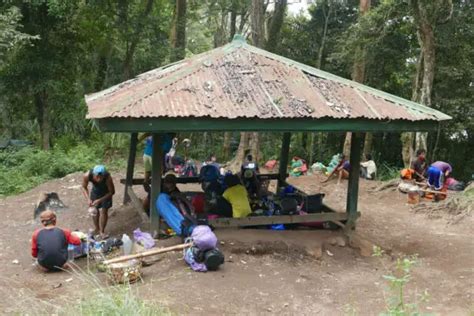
147	253
392	183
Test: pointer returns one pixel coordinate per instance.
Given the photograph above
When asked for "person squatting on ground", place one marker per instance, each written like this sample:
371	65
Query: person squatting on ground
342	170
100	196
419	165
49	244
438	172
368	168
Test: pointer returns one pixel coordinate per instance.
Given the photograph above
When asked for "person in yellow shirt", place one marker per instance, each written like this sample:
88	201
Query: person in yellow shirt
237	196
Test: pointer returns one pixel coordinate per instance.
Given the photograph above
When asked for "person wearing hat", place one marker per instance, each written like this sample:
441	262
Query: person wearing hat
100	196
49	244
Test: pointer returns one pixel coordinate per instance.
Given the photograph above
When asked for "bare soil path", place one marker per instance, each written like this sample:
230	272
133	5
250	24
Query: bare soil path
266	272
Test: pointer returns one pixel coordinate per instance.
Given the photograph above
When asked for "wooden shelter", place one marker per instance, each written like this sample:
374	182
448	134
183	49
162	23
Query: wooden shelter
239	87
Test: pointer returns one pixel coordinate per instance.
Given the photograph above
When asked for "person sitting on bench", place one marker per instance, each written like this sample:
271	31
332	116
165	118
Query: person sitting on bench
49	244
178	198
237	196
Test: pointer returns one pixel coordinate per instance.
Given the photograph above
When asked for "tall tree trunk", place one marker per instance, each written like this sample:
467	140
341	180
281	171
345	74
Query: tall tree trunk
220	36
369	138
358	70
244	15
310	149
239	157
249	142
275	25
226	145
427	43
178	32
42	111
426	15
233	19
257	22
407	137
323	39
142	20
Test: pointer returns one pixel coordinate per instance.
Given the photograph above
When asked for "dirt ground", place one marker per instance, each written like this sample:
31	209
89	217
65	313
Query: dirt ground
266	272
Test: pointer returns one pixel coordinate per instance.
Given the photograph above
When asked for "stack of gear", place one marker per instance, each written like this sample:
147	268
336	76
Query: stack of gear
298	167
203	255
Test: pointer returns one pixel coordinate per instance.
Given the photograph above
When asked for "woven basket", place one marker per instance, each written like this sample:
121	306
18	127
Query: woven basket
124	272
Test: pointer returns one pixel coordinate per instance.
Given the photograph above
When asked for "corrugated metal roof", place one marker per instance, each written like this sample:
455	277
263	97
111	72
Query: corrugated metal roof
242	81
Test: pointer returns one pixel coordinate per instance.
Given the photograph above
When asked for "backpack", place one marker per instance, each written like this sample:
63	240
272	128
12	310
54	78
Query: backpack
209	173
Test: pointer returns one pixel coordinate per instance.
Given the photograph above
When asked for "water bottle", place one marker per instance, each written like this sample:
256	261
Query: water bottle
127	244
70	252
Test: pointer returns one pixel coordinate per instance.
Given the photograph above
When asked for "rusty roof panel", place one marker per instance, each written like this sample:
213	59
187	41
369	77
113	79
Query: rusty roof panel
241	81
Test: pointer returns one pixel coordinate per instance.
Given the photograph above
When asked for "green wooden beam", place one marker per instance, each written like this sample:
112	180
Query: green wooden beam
160	125
283	219
156	172
353	185
130	165
284	158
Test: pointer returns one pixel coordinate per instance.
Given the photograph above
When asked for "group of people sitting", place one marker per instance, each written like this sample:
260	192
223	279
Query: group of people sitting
368	169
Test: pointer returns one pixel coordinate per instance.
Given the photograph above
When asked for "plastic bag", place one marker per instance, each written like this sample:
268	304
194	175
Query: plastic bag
204	238
92	211
145	239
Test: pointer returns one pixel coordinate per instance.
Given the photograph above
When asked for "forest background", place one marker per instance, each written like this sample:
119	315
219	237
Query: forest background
53	52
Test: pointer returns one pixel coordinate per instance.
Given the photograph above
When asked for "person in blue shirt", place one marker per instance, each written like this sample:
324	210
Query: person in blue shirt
100	196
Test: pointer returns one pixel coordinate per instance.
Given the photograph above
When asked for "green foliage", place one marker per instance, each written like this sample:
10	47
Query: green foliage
398	279
23	169
386	172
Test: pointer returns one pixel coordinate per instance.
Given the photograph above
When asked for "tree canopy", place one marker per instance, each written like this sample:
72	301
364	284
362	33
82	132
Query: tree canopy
52	52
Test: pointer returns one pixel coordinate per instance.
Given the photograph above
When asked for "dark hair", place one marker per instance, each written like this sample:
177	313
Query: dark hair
368	156
420	151
231	180
170	178
343	156
249	157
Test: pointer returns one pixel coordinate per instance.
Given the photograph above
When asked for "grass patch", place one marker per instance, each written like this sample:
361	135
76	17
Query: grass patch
23	169
93	298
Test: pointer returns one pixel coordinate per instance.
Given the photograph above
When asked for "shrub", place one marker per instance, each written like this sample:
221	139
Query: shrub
23	169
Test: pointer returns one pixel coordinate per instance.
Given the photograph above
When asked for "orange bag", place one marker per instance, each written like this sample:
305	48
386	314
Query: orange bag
407	174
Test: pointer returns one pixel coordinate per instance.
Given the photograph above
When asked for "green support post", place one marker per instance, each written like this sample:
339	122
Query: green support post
353	186
156	173
284	158
130	166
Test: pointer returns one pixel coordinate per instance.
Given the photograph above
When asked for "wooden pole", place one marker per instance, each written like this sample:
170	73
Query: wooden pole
156	173
131	165
147	253
353	186
284	158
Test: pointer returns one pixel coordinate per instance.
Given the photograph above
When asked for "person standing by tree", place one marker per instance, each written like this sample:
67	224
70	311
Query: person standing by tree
100	196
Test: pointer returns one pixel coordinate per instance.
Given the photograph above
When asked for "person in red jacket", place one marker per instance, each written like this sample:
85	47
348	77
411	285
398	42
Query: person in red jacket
49	244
